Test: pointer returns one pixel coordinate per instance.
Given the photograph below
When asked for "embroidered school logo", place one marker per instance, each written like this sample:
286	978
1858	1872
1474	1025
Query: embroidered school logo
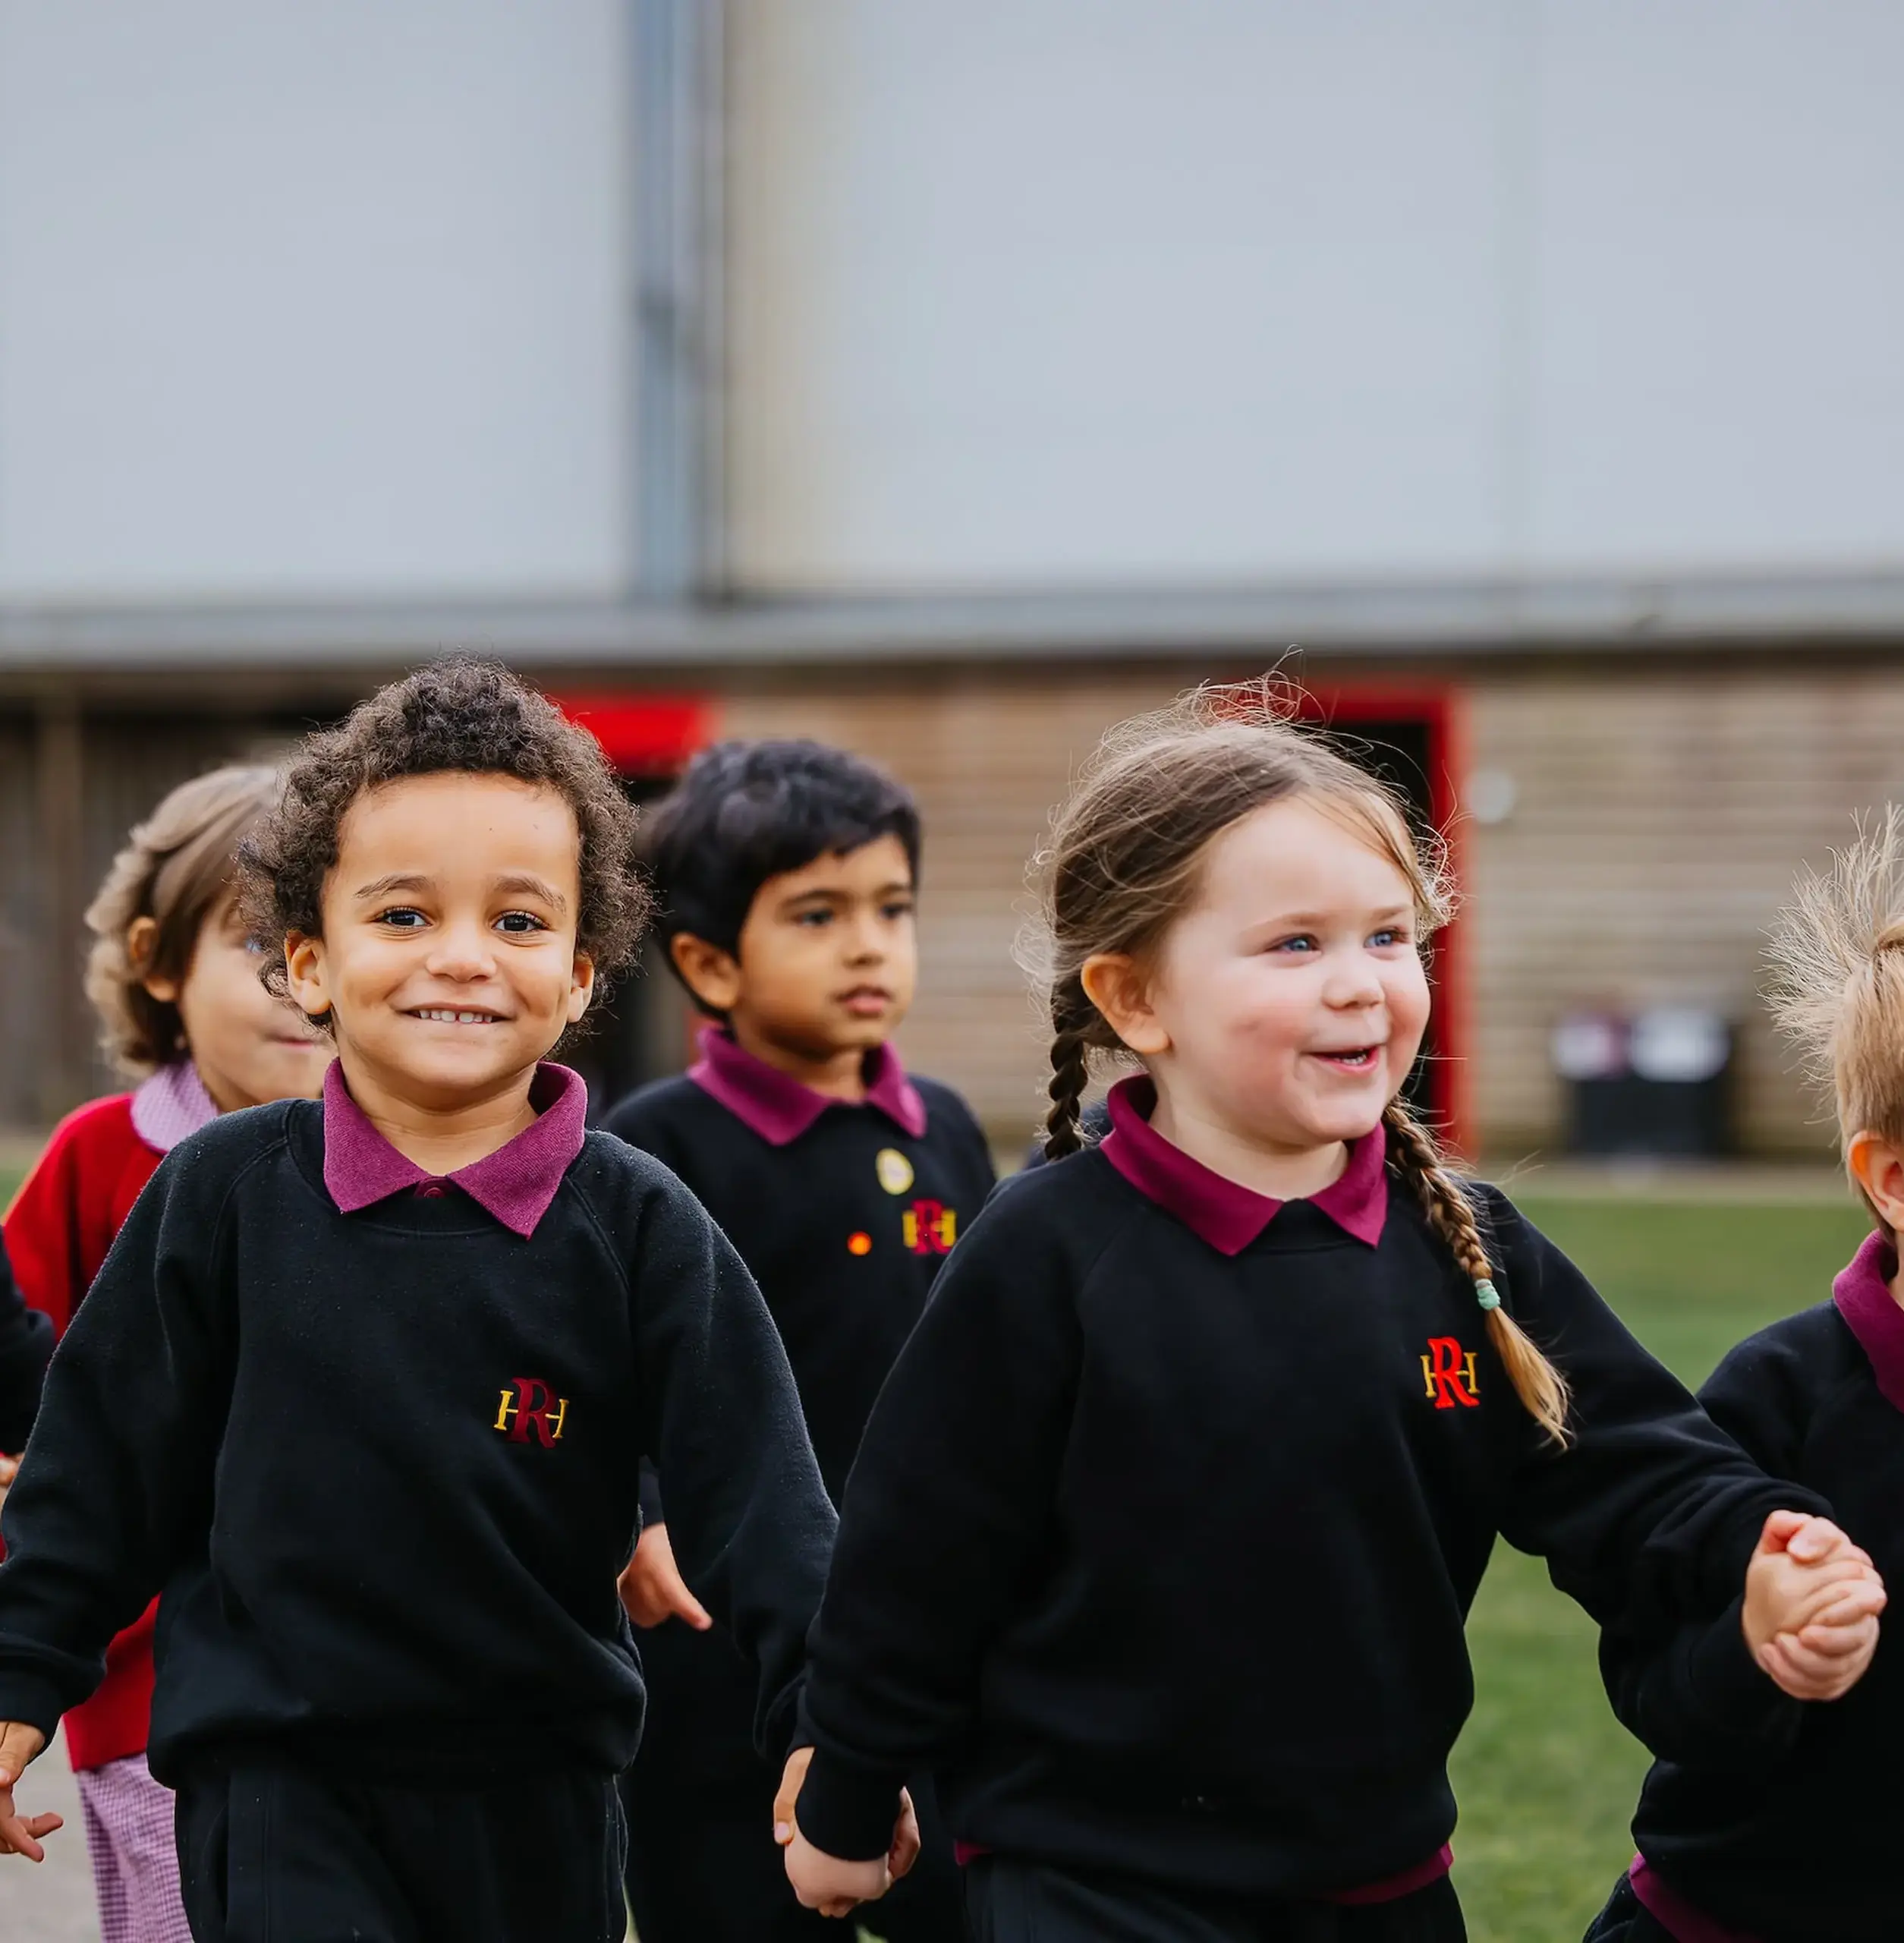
528	1404
894	1170
929	1227
1448	1371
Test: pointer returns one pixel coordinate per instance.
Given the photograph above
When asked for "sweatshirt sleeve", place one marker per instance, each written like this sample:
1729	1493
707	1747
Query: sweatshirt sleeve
749	1520
1696	1696
26	1342
947	1506
44	1243
117	1475
1648	1517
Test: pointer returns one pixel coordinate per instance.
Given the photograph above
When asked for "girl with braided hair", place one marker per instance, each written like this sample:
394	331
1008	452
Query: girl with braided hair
1159	1543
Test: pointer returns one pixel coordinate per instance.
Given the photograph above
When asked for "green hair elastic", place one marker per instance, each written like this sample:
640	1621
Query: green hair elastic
1487	1295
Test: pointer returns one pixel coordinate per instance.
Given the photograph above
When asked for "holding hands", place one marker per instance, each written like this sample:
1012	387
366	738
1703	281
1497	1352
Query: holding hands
1812	1600
822	1881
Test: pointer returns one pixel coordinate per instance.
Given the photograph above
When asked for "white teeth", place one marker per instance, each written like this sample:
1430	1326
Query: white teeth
442	1016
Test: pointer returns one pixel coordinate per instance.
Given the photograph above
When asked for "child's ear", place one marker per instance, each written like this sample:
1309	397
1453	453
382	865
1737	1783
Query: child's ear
1877	1165
1116	984
582	986
304	974
712	974
141	940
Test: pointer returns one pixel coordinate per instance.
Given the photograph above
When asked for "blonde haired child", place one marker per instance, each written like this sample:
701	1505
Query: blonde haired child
1766	1820
174	981
1160	1542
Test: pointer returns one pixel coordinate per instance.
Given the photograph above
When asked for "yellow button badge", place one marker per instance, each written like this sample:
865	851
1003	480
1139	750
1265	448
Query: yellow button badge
894	1170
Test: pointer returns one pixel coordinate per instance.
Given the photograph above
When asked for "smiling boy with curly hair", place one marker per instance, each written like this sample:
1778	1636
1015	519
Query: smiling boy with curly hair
364	1384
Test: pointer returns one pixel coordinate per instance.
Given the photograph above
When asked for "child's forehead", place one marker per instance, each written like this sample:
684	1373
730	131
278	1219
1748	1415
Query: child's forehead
455	815
1298	848
879	864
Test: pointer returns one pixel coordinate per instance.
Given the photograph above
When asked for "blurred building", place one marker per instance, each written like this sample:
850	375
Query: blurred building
948	380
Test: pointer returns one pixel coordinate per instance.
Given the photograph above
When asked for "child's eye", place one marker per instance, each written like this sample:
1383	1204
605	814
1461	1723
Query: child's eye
402	918
1296	947
1389	934
814	919
520	922
902	908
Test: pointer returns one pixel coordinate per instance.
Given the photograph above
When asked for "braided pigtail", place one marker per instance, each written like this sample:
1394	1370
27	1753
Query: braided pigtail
1072	1015
1541	1387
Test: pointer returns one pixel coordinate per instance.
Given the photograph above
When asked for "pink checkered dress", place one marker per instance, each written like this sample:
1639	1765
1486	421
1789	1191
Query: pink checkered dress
128	1820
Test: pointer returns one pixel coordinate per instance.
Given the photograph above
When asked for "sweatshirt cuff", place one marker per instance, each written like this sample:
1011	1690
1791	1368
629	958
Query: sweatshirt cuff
1733	1691
846	1811
651	1512
26	1696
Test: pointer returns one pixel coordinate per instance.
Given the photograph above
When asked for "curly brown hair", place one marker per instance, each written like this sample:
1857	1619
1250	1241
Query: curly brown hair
177	868
457	715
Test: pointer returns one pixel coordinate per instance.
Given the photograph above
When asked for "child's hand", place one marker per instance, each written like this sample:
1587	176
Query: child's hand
822	1881
654	1591
19	1834
9	1470
1812	1599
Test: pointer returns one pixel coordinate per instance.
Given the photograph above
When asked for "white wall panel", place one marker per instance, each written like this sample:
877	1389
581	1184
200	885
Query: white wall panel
304	299
1079	291
1054	293
1717	296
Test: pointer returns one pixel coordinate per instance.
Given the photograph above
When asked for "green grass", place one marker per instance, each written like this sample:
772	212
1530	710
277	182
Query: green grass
1545	1777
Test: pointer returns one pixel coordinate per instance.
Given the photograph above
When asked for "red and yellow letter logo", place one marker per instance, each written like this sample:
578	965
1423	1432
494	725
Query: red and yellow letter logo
1448	1371
528	1404
929	1227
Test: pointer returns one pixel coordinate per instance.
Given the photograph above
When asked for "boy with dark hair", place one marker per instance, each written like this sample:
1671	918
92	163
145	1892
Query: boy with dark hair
365	1382
786	872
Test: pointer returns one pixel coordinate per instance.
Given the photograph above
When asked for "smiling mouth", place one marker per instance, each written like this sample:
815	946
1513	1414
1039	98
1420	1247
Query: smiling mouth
438	1014
1355	1058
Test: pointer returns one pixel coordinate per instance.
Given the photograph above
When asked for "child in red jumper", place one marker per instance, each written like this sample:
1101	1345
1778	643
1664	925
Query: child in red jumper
175	984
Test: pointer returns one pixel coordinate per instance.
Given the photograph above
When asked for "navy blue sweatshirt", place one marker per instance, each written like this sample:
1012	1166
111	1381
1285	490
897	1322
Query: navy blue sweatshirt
844	1213
26	1342
1778	1817
1160	1542
384	1463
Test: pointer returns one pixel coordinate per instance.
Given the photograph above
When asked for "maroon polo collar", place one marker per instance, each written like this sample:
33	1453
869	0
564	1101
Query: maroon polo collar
1224	1213
516	1183
1862	1291
778	1108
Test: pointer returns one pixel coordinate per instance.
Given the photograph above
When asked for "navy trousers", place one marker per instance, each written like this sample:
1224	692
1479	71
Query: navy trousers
1010	1901
278	1853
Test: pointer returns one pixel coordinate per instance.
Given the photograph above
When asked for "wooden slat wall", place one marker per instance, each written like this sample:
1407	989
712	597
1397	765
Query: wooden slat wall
1658	824
1659	820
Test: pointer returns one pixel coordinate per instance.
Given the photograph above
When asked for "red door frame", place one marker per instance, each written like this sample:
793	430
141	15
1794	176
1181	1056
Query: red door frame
1440	710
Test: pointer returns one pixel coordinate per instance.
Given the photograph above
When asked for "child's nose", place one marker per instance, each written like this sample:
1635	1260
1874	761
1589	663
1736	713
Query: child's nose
864	941
1356	982
462	951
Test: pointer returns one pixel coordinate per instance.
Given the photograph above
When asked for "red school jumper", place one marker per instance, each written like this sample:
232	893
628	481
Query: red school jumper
58	1232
